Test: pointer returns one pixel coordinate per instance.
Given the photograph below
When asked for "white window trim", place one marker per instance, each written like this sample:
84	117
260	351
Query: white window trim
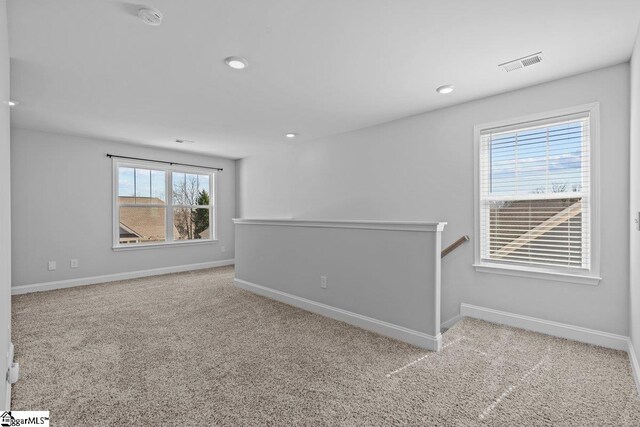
585	277
213	190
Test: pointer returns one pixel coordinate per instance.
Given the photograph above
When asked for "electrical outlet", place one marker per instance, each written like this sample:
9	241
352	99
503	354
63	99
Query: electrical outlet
74	263
323	282
52	265
223	249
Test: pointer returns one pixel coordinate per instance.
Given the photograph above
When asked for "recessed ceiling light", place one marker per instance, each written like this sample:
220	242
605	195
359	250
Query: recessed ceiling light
12	103
290	135
236	62
445	89
184	141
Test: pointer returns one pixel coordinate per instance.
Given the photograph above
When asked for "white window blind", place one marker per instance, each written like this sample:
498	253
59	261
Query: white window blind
535	187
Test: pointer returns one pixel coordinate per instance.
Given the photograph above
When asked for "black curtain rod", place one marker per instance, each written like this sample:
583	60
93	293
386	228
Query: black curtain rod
162	161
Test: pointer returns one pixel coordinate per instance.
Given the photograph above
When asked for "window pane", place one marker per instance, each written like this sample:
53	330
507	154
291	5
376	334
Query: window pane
189	224
141	186
143	183
203	198
158	190
142	224
179	188
203	183
190	189
126	185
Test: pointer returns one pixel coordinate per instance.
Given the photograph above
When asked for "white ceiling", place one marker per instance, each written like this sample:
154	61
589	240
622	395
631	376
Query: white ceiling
316	67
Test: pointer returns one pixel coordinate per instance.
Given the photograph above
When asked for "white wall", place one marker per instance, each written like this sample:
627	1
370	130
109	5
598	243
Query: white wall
272	198
421	168
5	206
62	209
634	253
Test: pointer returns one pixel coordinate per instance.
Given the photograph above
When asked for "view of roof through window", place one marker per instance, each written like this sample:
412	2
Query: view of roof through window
143	205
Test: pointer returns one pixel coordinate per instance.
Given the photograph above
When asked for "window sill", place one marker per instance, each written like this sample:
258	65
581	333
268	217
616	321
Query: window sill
534	273
161	245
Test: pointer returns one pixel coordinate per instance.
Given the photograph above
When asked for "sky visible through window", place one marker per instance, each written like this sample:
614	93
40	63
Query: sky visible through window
134	182
537	161
149	183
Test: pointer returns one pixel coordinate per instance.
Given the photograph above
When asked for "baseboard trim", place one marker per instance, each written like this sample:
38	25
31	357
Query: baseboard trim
635	366
562	330
7	405
61	284
401	333
449	323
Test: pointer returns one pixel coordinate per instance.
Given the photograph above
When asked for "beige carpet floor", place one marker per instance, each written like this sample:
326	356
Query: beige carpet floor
191	349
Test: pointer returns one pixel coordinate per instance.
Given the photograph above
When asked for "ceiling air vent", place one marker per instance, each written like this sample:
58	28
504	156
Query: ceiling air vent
525	61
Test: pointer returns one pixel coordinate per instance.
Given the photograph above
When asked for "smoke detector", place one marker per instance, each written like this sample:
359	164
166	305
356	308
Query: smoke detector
525	61
150	16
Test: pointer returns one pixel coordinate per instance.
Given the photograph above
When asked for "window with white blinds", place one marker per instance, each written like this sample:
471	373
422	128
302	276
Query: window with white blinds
535	193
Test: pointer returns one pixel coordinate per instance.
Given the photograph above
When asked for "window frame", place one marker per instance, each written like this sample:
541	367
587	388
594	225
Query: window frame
168	205
590	276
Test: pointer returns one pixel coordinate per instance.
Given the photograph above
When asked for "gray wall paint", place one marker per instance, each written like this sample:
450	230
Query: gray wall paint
421	168
62	209
5	206
634	247
378	281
